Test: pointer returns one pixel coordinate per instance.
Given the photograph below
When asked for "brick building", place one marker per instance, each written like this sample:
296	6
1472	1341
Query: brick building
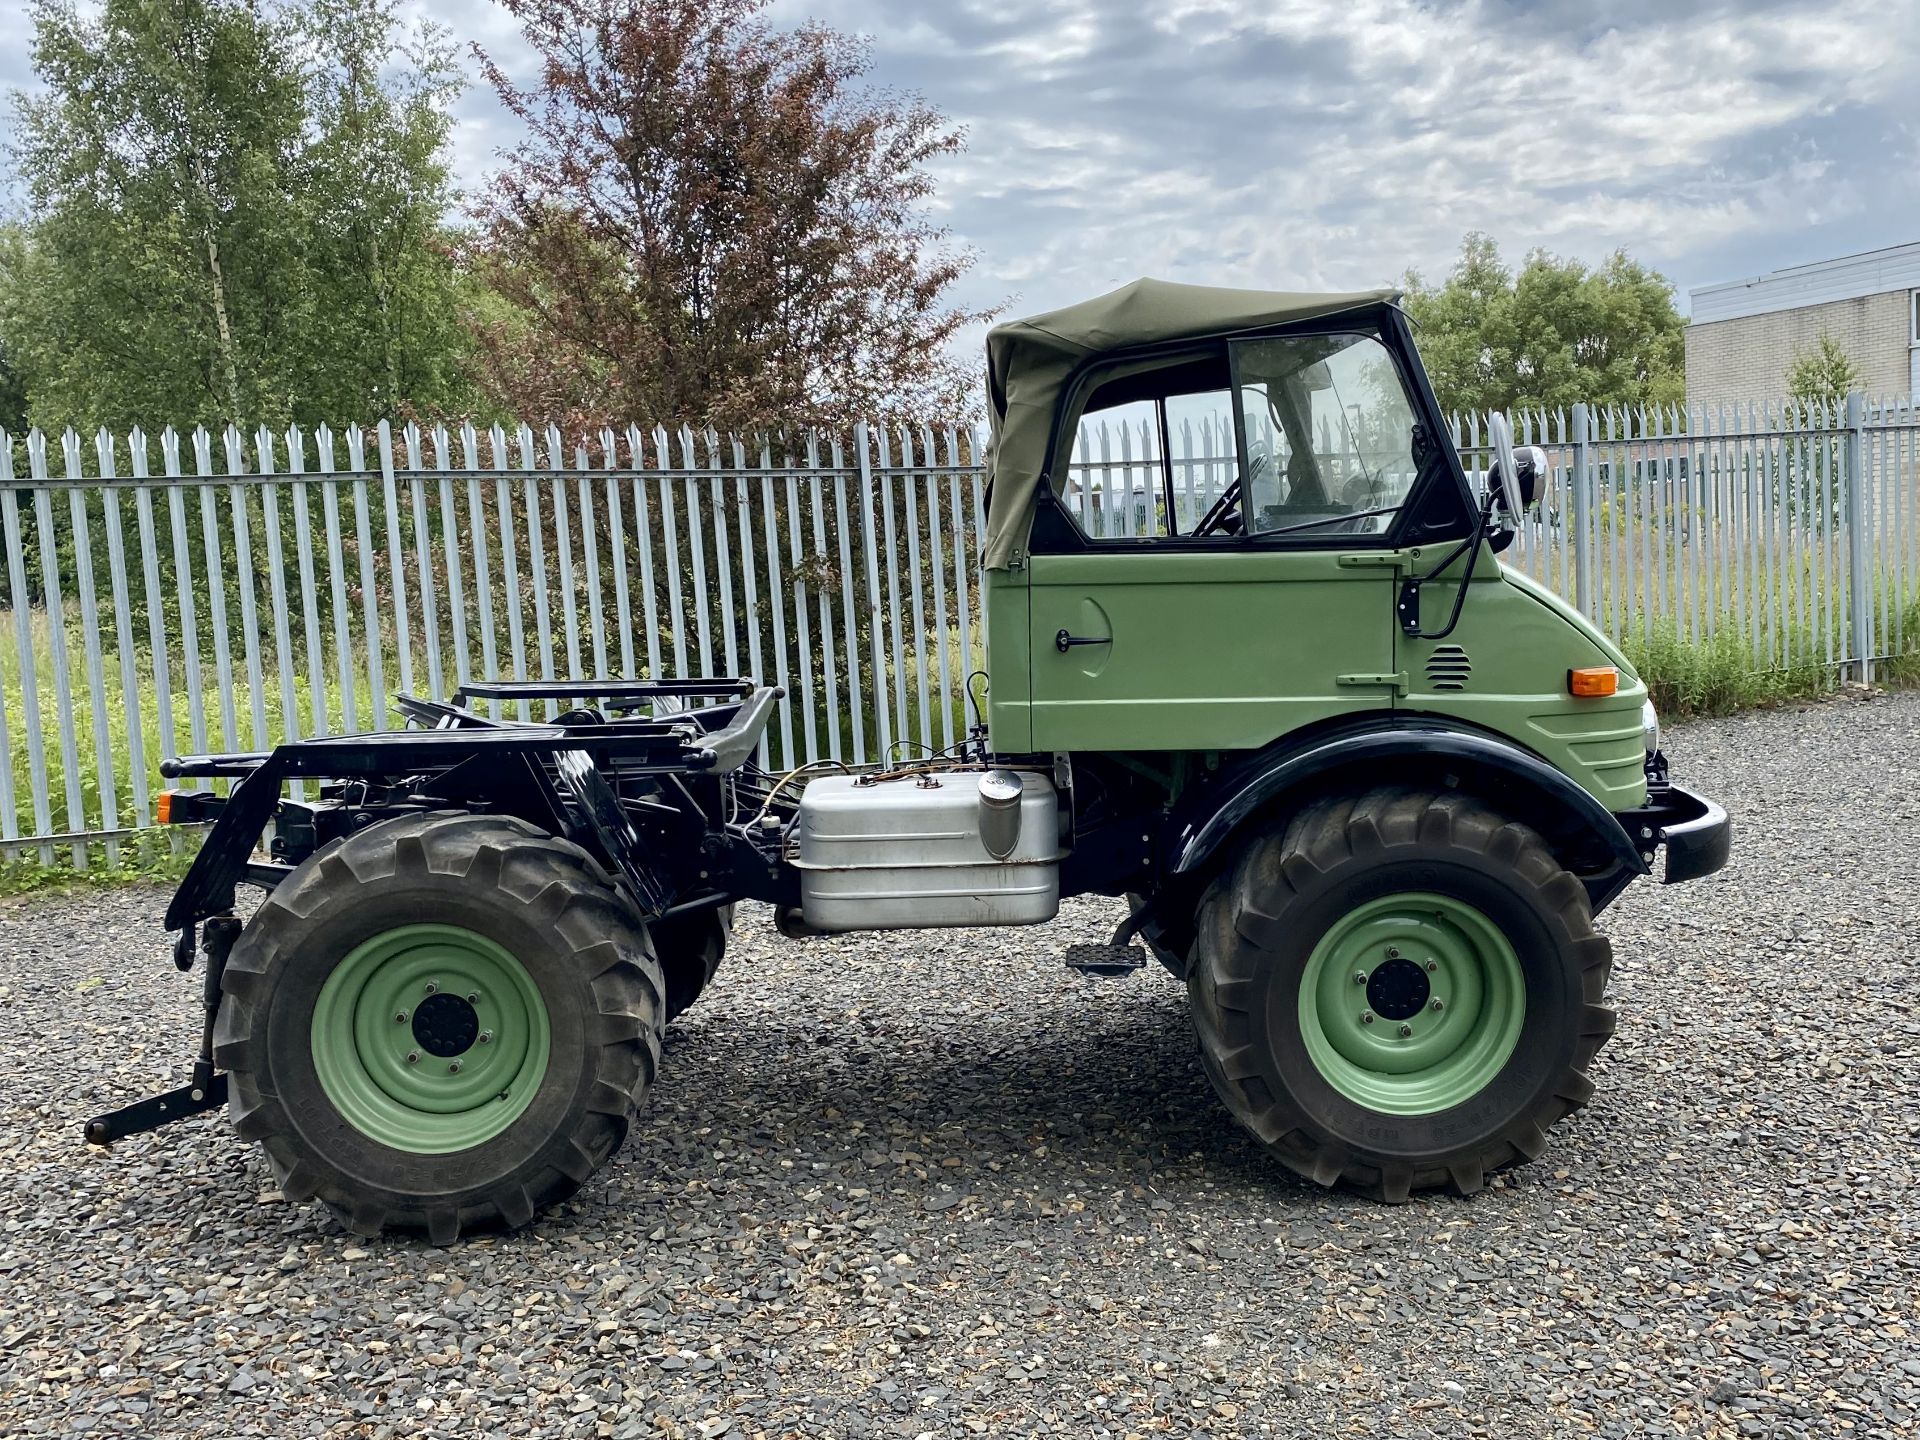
1746	334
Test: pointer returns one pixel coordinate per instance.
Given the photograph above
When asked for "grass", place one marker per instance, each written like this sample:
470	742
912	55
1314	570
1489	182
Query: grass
149	857
74	774
1717	674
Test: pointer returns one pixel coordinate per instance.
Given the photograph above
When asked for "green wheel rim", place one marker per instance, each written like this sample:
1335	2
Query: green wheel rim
430	1038
1412	1003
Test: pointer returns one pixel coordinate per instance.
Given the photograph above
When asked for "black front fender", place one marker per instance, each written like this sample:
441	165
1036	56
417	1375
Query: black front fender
1391	747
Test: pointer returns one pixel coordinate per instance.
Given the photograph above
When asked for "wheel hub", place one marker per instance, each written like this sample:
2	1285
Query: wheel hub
446	1025
430	1038
1397	989
1411	1003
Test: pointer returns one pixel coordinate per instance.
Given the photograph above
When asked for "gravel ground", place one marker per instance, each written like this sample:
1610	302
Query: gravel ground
937	1185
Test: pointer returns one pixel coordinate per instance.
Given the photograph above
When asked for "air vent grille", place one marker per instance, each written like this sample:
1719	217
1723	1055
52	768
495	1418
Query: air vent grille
1449	668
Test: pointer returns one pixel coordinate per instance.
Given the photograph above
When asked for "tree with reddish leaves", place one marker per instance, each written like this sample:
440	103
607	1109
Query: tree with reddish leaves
713	220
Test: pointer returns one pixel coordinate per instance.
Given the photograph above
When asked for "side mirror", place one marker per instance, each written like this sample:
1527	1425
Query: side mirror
1518	476
1504	481
1530	470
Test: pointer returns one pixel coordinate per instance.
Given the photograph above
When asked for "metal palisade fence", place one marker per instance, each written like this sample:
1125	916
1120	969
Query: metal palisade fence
182	593
196	593
1792	525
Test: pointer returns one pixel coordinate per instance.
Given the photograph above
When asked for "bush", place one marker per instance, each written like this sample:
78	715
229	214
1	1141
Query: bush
1716	674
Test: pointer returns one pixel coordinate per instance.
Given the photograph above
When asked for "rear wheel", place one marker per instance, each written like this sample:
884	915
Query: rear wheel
1399	991
442	1023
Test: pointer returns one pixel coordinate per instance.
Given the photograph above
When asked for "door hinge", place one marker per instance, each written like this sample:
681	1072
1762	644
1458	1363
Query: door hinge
1390	559
1396	681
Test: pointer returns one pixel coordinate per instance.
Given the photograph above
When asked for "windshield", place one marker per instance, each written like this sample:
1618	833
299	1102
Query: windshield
1329	434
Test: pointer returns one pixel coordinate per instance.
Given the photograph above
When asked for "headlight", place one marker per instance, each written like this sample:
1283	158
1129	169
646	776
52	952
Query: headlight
1650	725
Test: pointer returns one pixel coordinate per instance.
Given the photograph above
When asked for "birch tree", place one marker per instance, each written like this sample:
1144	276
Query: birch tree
234	215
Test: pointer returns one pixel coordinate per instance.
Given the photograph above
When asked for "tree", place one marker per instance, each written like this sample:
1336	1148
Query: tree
376	191
232	218
13	388
1553	334
1824	375
712	219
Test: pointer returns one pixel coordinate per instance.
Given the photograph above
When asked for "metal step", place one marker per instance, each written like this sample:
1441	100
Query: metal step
1111	960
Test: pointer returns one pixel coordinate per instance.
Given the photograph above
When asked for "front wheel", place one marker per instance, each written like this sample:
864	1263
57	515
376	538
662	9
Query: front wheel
441	1023
1399	991
690	950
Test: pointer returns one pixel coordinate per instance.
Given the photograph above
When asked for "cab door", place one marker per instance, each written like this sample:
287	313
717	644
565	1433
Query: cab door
1168	649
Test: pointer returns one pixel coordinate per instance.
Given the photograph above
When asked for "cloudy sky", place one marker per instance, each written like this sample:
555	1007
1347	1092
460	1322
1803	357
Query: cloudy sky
1335	143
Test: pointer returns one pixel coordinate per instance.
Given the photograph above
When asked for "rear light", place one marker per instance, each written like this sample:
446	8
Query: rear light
1593	683
163	808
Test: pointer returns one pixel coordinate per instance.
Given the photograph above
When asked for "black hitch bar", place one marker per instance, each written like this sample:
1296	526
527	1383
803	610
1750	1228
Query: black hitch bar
208	1089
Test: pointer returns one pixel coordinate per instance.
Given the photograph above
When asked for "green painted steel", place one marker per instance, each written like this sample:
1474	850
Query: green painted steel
1464	1031
1509	658
1005	597
1234	650
387	1081
1205	650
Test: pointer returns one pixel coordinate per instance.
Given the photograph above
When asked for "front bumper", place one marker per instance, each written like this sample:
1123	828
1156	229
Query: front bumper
1695	832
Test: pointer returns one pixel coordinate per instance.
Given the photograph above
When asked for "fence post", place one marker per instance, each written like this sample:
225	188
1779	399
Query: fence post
1859	536
1580	531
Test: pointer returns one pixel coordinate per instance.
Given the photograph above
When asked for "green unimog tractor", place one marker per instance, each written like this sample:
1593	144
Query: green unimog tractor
1363	787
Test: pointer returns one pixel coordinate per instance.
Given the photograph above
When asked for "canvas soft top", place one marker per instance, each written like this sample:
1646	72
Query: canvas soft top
1029	361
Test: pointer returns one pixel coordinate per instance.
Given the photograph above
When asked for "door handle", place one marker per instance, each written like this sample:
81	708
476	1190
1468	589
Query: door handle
1063	642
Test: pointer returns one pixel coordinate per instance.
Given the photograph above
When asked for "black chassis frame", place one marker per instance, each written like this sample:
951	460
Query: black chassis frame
655	800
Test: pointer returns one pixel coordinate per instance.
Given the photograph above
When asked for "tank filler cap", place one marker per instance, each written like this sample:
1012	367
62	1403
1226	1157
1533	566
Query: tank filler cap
1001	792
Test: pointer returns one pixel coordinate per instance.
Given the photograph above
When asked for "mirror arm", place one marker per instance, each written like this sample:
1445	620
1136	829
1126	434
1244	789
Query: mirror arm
1409	602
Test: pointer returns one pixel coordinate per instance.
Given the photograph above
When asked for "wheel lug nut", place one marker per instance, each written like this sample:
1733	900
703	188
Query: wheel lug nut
413	1057
1393	952
432	986
1438	1005
486	1037
454	1068
400	1018
1359	977
1405	1031
1432	965
1366	1017
474	998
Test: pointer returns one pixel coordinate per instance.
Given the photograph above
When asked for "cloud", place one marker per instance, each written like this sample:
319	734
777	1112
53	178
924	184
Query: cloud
1338	142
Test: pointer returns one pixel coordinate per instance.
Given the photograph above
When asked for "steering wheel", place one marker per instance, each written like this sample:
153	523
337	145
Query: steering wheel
1223	517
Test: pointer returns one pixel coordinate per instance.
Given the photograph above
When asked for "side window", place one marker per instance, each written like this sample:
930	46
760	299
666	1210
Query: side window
1153	450
1329	434
1117	478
